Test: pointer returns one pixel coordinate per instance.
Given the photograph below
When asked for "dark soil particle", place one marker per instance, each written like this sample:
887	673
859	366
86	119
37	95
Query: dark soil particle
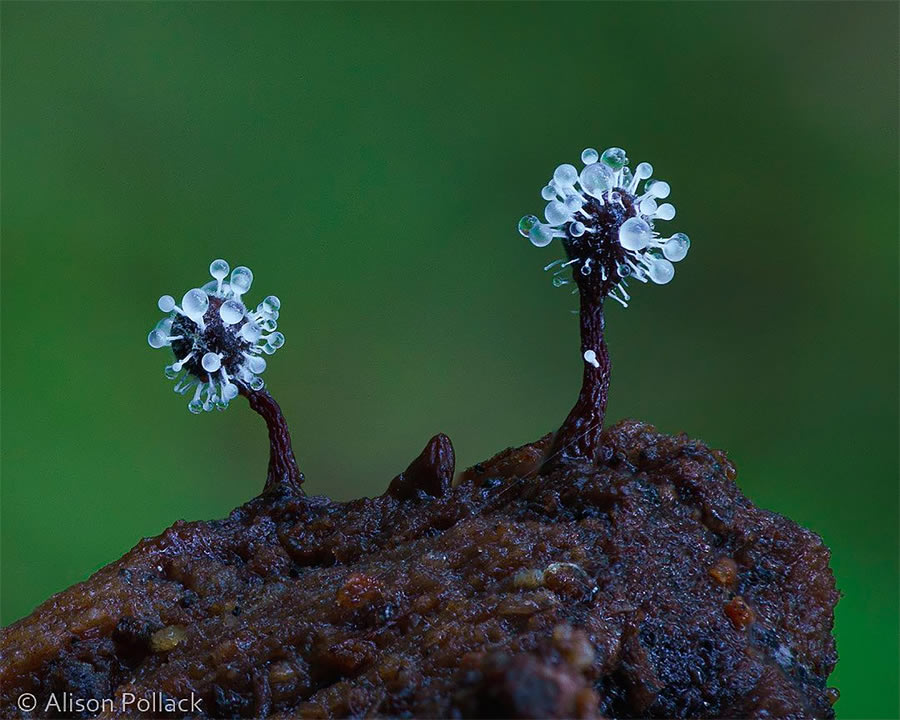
647	586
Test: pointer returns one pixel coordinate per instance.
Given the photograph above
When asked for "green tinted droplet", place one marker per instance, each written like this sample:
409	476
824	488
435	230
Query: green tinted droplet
526	223
614	157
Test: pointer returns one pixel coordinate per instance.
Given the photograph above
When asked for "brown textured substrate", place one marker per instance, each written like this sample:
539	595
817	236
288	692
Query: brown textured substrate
649	587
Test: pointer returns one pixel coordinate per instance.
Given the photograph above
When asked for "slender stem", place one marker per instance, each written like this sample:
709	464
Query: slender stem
283	471
578	439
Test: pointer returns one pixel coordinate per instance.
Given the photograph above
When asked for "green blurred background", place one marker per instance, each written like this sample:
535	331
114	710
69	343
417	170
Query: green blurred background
369	163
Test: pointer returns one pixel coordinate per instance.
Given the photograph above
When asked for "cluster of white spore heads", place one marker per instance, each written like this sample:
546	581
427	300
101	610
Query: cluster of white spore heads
607	224
218	342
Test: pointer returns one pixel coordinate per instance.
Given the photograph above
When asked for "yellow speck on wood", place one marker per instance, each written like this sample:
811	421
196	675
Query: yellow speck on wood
167	639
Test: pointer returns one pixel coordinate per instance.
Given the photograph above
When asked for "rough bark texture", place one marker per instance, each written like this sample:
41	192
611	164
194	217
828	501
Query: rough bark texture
646	586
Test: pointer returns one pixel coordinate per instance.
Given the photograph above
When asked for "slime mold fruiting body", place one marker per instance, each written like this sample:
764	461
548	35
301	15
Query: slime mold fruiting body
217	341
219	346
607	229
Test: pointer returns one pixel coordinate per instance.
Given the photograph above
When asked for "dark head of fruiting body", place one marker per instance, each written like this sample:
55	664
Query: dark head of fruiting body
607	227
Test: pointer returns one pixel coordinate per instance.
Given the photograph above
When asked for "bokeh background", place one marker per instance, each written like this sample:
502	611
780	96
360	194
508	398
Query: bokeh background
369	163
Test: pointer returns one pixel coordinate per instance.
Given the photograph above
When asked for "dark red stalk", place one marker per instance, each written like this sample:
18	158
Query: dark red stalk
283	471
596	256
578	440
